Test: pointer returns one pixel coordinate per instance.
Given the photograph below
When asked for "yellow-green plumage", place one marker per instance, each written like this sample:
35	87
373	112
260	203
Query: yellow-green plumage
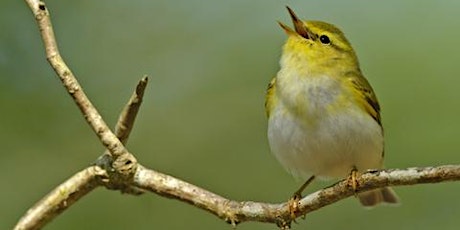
324	118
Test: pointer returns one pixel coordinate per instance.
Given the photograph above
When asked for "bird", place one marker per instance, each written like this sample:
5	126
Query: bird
323	115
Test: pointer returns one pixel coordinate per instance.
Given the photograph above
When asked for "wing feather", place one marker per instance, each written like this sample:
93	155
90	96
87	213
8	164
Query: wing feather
366	96
270	97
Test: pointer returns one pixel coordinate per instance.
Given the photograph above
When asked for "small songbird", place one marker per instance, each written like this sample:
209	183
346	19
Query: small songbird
323	116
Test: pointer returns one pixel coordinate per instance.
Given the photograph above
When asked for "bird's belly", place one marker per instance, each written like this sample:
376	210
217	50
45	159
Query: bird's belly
329	147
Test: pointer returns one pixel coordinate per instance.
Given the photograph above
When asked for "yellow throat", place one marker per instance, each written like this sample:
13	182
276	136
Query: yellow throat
317	49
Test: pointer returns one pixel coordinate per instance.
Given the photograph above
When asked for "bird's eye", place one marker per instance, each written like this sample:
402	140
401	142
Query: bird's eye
324	39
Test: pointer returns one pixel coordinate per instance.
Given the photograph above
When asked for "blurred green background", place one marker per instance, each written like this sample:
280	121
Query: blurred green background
203	118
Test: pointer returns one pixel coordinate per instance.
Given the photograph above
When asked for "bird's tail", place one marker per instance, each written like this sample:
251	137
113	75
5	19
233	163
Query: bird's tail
376	196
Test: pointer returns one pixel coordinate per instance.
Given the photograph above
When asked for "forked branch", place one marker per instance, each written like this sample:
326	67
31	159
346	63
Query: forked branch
83	182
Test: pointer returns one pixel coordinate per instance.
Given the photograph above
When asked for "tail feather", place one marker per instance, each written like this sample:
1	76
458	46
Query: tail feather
374	197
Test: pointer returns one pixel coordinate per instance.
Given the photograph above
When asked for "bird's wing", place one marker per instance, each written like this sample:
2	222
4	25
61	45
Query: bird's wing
366	96
270	97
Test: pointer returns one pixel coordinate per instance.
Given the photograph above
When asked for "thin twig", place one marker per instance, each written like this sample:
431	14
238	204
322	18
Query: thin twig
128	115
123	129
92	116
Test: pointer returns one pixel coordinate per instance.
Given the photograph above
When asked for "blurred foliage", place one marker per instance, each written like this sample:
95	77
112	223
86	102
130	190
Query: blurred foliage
203	118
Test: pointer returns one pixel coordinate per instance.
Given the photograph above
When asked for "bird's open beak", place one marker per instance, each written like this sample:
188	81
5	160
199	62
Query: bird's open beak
299	26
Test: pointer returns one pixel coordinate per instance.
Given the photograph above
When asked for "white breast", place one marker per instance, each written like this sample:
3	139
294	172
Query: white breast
320	142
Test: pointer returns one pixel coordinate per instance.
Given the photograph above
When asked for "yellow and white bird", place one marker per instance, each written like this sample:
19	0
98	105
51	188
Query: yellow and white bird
323	116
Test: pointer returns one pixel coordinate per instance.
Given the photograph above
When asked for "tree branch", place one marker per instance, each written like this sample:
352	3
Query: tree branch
62	197
83	182
240	211
92	116
120	170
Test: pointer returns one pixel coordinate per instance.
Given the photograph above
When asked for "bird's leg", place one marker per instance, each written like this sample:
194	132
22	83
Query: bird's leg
298	193
352	181
294	200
